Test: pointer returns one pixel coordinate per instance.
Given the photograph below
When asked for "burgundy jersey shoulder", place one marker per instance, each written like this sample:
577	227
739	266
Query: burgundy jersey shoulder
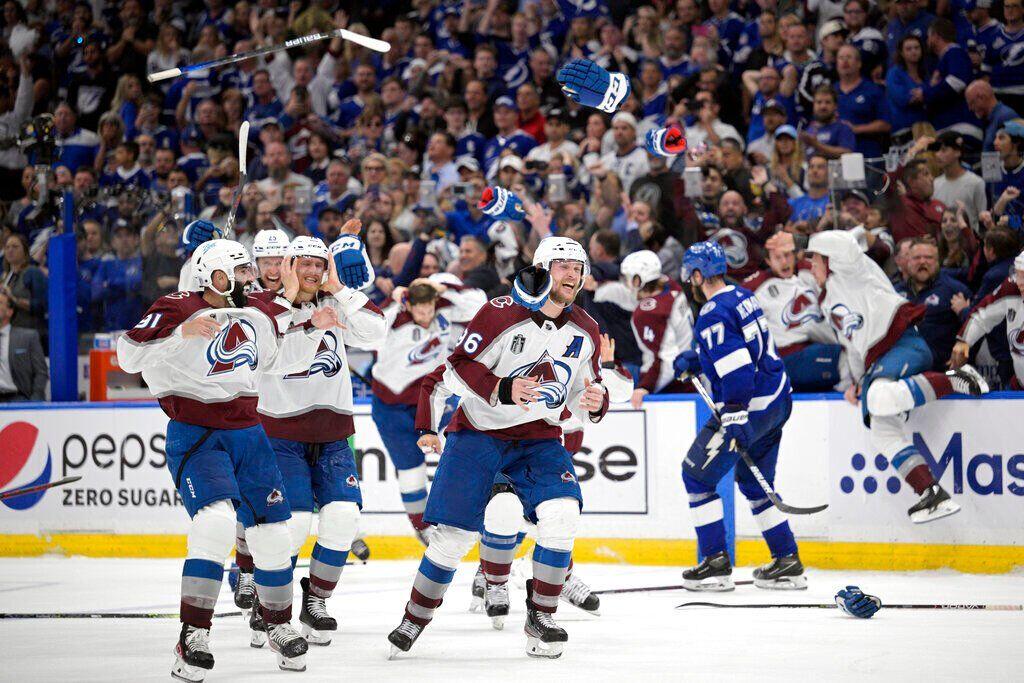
165	315
657	307
585	322
499	314
754	281
266	302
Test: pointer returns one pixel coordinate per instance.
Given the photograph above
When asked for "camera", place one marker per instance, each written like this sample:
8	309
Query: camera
462	190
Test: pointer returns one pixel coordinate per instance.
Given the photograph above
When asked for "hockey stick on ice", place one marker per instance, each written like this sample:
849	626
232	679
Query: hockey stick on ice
648	589
25	490
768	490
372	43
100	615
236	201
832	605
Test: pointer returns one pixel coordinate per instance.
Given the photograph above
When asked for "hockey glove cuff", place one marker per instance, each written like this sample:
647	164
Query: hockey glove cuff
505	391
856	603
585	82
499	203
665	142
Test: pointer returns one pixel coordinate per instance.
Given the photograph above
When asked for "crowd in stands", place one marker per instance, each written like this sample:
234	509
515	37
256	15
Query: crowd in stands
767	91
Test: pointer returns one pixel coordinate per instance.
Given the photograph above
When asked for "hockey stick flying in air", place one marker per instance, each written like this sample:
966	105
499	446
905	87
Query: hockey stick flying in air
374	44
243	147
768	490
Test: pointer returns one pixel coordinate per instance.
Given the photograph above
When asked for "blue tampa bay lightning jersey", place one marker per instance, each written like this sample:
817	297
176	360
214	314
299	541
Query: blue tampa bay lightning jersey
737	352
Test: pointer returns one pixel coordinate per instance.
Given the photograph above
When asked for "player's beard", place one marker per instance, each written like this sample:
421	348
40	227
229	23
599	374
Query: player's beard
237	296
697	293
559	298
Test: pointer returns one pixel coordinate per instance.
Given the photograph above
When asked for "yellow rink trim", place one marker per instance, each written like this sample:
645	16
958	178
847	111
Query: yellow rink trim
982	559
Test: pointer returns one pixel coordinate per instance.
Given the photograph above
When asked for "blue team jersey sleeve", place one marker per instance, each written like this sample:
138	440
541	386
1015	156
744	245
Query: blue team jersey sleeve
724	355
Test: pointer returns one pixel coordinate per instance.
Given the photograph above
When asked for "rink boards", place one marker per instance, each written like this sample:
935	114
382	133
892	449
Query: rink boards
629	470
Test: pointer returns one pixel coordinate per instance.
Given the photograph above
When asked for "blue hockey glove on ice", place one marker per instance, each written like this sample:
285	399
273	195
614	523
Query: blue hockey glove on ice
353	263
665	142
197	232
585	82
531	287
501	204
857	603
686	364
736	427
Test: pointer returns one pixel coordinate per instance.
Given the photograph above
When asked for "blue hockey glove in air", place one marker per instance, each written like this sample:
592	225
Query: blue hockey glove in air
665	142
531	287
353	263
501	204
686	364
856	603
197	232
585	82
736	427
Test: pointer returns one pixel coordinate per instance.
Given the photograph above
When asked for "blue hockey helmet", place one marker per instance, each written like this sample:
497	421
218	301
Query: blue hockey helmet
707	257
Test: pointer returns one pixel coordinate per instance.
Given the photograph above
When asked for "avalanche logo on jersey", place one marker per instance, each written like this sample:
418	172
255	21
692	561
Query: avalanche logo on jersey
803	308
1017	341
735	245
845	321
234	346
326	360
553	376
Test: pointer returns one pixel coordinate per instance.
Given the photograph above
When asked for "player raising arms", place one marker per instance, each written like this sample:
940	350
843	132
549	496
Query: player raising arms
517	371
888	359
751	389
418	336
202	354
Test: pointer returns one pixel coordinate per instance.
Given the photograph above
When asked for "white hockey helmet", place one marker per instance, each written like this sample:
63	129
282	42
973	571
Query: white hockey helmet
223	255
560	249
269	243
304	245
643	265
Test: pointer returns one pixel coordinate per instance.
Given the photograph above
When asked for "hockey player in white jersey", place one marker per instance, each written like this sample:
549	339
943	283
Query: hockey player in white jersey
888	358
308	417
517	370
662	323
788	296
202	355
418	323
1006	304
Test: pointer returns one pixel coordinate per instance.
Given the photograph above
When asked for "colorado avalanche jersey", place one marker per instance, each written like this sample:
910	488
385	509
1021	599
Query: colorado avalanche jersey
213	382
409	351
791	308
663	327
314	404
507	340
737	353
1004	304
862	306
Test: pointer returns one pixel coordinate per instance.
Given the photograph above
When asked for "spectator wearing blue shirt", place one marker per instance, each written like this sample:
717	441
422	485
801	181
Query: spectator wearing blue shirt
509	137
909	19
812	205
862	103
766	92
1010	146
128	173
265	105
826	134
467	142
867	39
944	92
903	85
75	146
349	109
467	218
117	285
992	113
928	286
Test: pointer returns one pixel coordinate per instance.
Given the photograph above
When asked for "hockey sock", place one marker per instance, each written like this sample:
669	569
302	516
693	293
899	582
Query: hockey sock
912	466
325	568
549	571
706	509
242	557
432	580
200	586
412	483
568	572
928	386
496	555
339	523
271	550
774	528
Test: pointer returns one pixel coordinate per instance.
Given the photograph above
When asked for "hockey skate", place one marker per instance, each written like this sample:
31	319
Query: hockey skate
403	637
714	573
782	573
544	638
360	549
257	627
967	380
578	594
245	592
317	624
479	589
289	646
192	654
935	504
496	604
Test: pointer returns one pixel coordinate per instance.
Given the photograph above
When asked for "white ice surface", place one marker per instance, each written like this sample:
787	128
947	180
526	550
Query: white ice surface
638	636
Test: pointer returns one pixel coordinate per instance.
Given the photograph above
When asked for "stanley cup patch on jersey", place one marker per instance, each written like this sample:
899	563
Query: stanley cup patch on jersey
803	308
518	342
233	346
845	321
554	377
326	360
